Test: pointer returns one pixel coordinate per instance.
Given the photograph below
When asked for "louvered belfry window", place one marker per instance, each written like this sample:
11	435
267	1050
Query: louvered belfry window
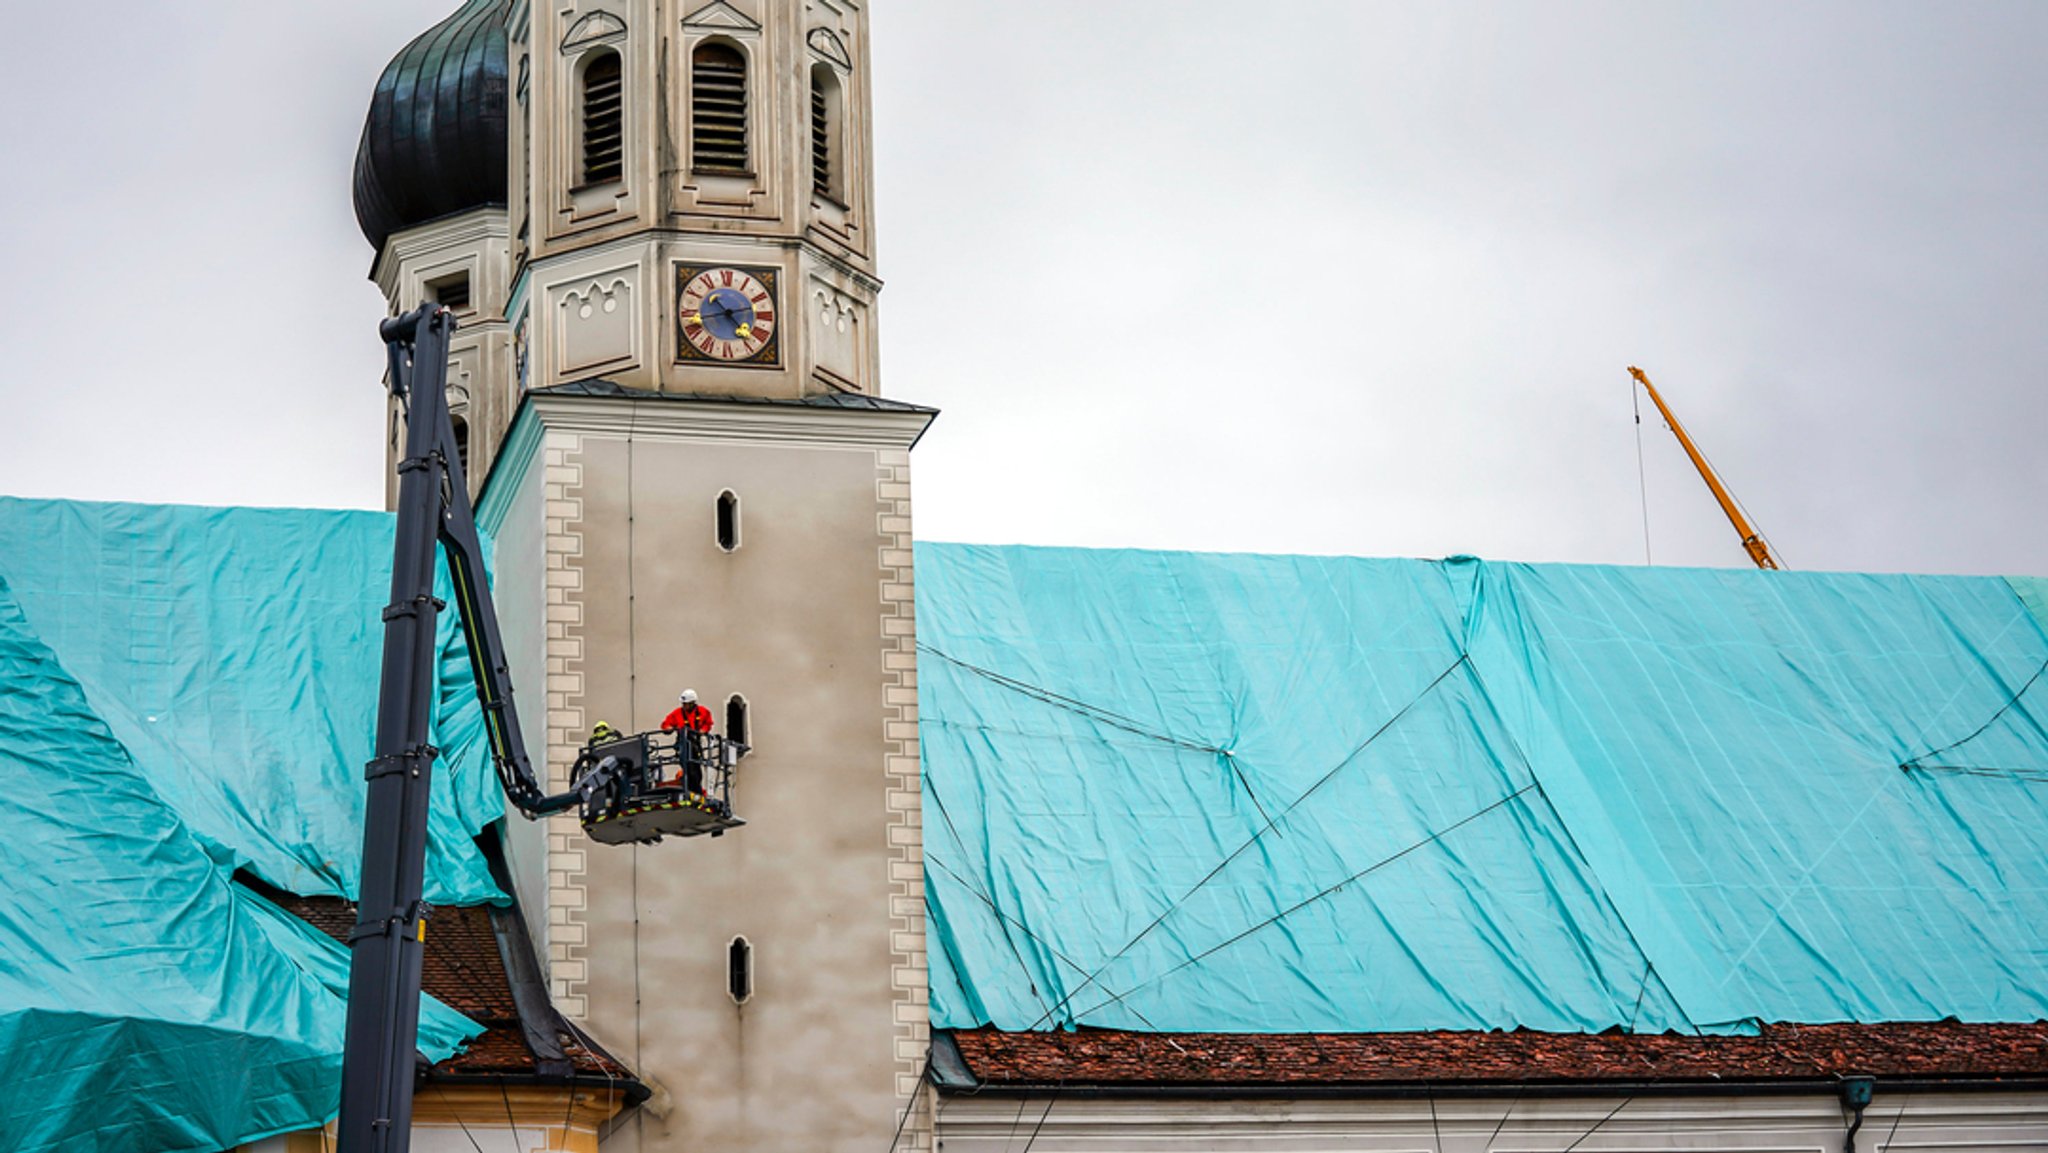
718	109
827	111
821	136
604	100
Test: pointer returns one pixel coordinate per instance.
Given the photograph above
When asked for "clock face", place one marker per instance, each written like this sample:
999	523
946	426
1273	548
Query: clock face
726	315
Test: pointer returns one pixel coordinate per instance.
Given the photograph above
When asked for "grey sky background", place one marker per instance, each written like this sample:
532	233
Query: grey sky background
1320	277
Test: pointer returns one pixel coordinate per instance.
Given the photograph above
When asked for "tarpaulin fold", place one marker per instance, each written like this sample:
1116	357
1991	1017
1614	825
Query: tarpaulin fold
147	1001
1210	792
236	654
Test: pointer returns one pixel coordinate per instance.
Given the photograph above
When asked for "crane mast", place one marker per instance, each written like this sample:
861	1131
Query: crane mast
1752	540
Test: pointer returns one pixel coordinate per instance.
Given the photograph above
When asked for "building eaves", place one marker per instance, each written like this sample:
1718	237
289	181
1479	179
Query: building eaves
1945	1053
465	967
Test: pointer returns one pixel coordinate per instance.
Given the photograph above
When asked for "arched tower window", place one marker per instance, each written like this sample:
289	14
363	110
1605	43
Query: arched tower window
603	122
827	117
737	728
739	970
718	108
728	520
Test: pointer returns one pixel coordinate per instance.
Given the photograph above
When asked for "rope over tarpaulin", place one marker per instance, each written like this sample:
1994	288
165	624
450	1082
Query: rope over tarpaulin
146	1000
189	692
236	654
1648	799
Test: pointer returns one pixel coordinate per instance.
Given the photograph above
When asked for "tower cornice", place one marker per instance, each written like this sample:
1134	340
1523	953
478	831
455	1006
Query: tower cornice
606	409
818	423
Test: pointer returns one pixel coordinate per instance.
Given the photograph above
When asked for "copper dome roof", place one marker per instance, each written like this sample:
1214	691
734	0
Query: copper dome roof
435	140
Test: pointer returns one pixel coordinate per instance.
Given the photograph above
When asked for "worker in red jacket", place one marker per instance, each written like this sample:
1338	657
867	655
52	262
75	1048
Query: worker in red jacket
692	720
688	715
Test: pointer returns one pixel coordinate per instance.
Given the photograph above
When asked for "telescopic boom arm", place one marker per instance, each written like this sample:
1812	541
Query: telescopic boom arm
388	941
1752	540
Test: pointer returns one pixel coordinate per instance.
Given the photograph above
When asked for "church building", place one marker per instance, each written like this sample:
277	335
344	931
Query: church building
1073	850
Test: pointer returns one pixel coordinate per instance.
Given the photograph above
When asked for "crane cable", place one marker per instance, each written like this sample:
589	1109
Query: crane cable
1635	396
1776	554
1754	542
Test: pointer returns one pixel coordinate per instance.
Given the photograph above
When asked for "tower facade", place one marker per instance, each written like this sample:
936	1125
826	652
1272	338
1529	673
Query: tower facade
692	480
664	144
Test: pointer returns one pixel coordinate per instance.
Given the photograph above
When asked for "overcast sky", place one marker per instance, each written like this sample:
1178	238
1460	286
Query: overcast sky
1328	276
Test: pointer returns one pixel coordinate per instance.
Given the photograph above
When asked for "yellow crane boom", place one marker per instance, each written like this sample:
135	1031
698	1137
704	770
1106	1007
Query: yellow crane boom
1752	541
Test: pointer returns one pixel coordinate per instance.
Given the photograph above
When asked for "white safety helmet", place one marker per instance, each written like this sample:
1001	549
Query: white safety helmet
689	697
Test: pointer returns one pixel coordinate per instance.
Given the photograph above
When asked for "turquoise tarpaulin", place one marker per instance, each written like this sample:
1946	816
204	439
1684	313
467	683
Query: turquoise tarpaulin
146	1000
236	653
1172	791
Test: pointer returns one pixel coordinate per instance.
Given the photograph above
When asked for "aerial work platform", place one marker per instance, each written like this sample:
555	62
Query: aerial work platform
660	784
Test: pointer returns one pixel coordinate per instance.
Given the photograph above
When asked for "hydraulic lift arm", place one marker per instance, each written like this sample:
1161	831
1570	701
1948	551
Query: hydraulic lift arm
623	785
387	944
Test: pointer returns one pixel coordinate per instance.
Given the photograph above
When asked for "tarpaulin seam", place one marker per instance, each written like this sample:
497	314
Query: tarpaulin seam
1797	888
1049	947
1092	712
1649	968
981	891
989	899
1305	902
1596	882
1180	599
1463	659
1914	762
1105	716
1639	920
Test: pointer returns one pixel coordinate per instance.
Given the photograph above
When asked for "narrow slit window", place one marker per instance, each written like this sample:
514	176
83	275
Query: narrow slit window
736	728
728	520
825	133
604	121
718	109
739	970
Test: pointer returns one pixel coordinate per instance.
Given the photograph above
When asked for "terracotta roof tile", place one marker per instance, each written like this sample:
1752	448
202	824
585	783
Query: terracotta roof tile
464	969
1946	1051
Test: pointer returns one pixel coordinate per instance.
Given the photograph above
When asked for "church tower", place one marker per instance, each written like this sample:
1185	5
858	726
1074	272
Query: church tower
670	379
690	169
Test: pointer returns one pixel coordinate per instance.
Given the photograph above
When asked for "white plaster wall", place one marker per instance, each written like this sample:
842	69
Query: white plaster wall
811	619
1990	1122
454	1139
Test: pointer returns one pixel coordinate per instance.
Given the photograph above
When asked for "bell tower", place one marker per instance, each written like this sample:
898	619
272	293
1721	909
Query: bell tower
692	480
693	196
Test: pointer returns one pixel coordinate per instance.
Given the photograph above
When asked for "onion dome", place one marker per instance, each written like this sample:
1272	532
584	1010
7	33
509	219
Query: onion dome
434	143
